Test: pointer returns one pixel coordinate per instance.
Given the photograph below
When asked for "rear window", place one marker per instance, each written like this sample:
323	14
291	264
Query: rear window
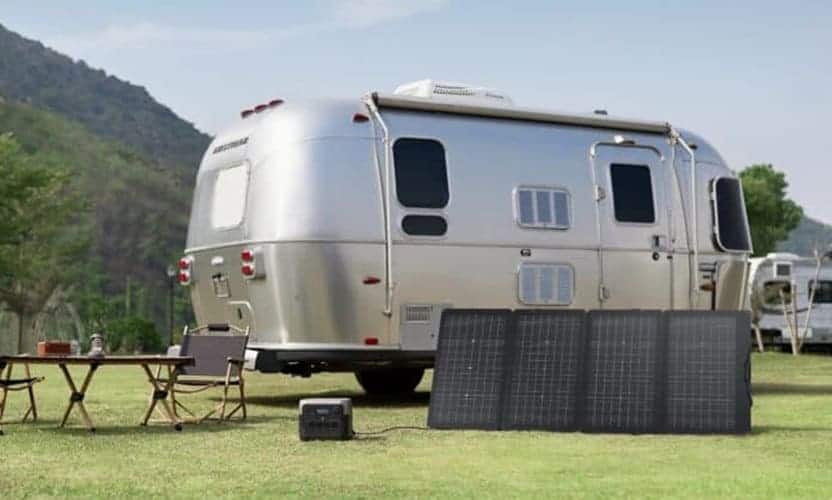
228	202
731	225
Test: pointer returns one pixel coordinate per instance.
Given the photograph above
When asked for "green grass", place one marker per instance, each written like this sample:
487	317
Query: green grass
789	454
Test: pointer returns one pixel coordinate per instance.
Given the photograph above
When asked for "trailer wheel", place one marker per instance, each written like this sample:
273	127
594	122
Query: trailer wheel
389	381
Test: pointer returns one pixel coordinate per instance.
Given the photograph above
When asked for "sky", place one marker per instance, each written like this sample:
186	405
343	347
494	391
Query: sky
752	77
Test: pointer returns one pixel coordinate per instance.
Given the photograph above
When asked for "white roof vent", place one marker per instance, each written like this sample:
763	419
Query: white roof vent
455	92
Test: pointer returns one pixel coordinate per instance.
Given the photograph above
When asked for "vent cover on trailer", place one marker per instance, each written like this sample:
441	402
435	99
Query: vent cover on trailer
604	371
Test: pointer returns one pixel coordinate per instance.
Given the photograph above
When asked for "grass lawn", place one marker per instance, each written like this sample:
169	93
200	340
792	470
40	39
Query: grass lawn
789	453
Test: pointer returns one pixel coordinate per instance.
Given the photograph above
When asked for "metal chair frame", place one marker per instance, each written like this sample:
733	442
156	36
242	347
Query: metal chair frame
197	383
8	384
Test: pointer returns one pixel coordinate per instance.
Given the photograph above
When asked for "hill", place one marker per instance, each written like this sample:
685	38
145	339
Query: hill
138	215
808	235
105	105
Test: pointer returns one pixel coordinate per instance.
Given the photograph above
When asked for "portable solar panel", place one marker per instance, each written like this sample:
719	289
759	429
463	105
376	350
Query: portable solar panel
621	381
541	390
605	371
707	372
468	374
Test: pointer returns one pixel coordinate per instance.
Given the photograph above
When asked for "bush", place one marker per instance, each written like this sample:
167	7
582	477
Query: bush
133	334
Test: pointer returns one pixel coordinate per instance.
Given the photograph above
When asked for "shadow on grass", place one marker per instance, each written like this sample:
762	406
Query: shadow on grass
765	429
359	399
791	389
209	426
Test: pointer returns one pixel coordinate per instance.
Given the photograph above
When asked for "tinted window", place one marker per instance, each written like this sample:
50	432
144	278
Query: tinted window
421	177
632	192
424	225
732	228
823	294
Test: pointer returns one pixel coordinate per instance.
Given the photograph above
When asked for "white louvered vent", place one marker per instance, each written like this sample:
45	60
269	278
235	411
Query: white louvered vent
543	207
458	92
546	284
418	313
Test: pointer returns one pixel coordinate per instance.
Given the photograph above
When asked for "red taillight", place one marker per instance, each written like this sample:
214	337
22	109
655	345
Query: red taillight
360	118
372	280
247	255
246	113
260	107
275	103
248	270
184	264
370	341
184	277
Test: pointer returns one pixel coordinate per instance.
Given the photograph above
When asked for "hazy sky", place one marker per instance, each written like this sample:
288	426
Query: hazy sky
755	78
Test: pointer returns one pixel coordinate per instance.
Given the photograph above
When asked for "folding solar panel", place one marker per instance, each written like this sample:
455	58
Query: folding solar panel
621	379
541	389
707	372
468	375
605	371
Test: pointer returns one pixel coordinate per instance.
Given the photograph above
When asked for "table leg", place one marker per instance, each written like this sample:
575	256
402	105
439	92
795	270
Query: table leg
33	407
77	396
160	396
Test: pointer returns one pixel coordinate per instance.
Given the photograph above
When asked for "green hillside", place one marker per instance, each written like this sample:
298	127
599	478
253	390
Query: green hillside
105	105
807	236
138	213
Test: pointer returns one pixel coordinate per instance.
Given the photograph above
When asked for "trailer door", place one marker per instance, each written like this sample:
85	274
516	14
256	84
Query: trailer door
635	253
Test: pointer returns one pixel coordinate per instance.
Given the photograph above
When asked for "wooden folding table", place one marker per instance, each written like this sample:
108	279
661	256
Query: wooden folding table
77	394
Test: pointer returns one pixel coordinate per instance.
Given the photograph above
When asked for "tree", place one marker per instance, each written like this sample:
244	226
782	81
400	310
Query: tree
37	245
771	214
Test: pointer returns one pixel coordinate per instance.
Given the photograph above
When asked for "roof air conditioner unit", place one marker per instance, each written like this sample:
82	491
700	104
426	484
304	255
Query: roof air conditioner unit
454	92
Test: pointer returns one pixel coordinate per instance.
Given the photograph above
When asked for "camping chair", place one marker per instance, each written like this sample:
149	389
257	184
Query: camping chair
218	362
9	384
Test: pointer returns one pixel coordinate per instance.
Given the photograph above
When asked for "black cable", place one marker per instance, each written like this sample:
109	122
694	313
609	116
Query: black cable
394	428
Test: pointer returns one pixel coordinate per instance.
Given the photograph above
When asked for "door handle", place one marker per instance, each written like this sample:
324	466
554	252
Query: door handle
658	242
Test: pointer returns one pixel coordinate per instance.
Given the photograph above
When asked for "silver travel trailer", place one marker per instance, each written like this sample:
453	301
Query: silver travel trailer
792	274
339	230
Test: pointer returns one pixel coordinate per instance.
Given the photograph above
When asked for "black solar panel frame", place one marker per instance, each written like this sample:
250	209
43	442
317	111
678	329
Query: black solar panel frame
440	385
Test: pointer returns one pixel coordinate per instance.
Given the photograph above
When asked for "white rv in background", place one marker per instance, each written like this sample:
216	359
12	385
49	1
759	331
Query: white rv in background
339	230
791	274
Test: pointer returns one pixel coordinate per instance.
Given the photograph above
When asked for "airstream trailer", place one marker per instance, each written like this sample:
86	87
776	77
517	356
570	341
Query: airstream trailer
339	230
793	275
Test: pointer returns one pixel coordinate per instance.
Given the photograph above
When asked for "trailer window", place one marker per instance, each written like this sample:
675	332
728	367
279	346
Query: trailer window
632	193
229	198
823	293
542	207
731	225
421	175
771	293
424	225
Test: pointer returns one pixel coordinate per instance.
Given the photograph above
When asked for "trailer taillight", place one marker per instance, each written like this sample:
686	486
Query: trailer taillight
185	276
250	268
247	255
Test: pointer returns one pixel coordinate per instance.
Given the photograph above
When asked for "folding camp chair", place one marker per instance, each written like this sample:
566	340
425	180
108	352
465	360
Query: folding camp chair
219	355
9	384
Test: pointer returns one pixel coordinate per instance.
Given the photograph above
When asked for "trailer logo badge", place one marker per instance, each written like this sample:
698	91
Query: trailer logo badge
230	145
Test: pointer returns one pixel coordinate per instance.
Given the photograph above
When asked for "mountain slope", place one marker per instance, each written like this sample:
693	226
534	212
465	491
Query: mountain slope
807	236
105	105
138	215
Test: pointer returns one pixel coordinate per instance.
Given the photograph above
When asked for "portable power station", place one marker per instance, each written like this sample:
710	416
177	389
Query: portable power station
325	418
